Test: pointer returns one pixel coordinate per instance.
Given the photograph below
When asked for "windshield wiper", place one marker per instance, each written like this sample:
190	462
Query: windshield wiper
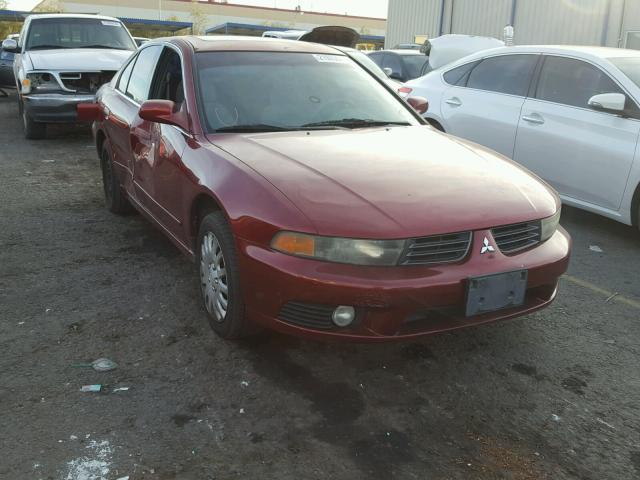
262	127
46	47
103	46
355	123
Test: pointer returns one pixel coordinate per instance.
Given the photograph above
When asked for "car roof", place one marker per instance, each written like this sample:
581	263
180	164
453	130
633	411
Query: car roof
403	51
215	43
586	51
37	16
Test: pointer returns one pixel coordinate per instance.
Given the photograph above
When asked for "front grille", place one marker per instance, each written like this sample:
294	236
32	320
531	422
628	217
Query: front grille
307	315
513	238
86	82
448	248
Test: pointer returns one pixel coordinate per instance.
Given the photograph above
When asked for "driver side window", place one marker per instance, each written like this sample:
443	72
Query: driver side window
572	82
168	80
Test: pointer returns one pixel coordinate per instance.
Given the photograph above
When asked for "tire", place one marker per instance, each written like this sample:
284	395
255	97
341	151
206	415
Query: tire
114	198
217	268
32	130
435	124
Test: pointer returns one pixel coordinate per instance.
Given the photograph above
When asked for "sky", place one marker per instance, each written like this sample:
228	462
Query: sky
367	8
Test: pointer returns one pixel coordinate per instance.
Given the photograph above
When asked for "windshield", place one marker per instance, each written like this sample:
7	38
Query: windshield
369	64
286	91
630	66
413	64
54	33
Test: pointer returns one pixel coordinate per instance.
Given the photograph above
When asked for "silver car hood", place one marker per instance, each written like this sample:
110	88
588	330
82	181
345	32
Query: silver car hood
78	59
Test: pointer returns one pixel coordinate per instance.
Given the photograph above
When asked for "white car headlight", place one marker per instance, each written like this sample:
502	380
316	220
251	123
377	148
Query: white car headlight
549	225
340	250
40	82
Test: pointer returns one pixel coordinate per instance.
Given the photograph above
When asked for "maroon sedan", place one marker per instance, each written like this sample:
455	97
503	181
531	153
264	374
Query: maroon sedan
315	201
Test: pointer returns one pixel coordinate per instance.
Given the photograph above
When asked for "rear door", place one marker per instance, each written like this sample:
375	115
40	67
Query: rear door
585	154
125	129
484	102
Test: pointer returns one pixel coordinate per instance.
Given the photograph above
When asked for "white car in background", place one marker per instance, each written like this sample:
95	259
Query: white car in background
62	60
569	114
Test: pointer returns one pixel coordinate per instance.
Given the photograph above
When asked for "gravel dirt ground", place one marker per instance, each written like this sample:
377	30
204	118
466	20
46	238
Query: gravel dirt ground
550	396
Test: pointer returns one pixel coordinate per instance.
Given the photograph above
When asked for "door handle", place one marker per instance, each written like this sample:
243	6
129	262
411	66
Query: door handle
534	118
454	102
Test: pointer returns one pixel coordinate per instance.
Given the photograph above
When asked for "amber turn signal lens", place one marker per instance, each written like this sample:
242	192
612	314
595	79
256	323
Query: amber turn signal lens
294	243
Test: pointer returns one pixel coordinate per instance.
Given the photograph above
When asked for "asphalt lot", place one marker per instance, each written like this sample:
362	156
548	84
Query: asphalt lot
550	396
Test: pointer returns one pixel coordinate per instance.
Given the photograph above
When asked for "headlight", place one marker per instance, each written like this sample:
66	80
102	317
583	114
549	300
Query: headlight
550	225
40	83
340	250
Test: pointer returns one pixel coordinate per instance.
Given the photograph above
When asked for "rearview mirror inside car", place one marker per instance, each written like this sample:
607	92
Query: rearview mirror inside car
613	102
10	45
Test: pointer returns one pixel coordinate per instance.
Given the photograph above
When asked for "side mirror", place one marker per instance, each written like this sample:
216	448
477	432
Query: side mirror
396	76
419	104
608	102
387	71
10	45
163	111
89	112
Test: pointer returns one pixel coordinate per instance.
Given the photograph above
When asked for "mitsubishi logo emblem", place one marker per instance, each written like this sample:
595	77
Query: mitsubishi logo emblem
486	247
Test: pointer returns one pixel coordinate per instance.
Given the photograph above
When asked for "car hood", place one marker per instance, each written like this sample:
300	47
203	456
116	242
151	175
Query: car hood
78	59
396	182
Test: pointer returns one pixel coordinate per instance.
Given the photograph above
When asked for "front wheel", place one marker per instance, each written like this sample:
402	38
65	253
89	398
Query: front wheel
32	130
220	277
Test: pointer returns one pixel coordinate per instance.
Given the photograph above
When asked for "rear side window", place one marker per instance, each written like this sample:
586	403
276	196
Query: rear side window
459	75
509	74
572	82
140	80
394	62
377	58
413	65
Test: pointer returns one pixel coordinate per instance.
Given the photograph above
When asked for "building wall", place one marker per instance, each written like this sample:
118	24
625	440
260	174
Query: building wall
218	13
472	17
582	22
578	22
407	18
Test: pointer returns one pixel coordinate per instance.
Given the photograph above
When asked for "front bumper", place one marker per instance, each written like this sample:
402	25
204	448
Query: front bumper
392	303
54	107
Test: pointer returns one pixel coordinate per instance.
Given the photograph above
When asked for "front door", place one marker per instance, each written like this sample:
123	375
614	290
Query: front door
585	154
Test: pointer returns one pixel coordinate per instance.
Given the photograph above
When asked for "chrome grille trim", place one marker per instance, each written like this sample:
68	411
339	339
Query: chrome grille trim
437	249
517	237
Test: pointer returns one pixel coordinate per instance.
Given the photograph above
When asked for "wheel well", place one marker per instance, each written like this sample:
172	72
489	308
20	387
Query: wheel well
202	206
435	124
635	207
100	138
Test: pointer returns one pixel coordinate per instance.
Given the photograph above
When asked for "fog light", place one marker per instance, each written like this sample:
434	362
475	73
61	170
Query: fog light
343	316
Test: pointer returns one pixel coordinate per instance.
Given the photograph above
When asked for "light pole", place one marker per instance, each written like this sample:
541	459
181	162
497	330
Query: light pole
159	9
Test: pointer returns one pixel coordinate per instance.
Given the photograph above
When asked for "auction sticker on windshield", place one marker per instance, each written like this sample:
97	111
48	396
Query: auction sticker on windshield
331	58
109	23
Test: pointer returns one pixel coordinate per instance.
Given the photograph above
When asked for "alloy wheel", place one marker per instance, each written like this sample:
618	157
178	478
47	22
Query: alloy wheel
213	277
